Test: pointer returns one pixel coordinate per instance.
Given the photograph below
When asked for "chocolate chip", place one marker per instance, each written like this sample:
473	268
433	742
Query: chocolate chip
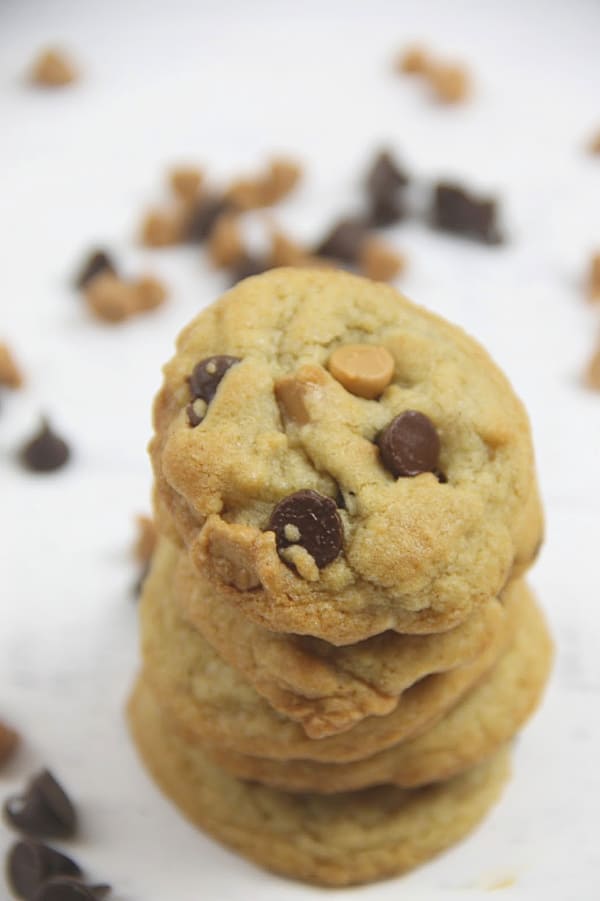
456	210
64	889
97	262
246	267
409	445
309	520
384	185
207	374
45	452
29	864
385	210
204	217
43	810
344	241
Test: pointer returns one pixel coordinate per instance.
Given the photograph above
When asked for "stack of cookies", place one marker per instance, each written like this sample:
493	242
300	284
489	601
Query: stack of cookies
338	643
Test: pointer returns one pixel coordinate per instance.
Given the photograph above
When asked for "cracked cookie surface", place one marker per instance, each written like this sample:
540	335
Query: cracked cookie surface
417	553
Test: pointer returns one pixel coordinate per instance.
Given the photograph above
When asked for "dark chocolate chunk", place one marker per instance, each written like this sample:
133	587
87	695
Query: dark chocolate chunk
310	520
386	210
97	262
204	218
207	374
62	888
344	241
43	810
409	445
29	864
456	210
247	266
45	452
385	183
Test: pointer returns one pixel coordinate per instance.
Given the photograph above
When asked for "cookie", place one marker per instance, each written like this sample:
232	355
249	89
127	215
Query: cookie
484	720
325	688
213	704
319	506
336	840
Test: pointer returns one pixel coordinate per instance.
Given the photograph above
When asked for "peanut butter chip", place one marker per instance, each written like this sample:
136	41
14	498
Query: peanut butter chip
290	395
363	369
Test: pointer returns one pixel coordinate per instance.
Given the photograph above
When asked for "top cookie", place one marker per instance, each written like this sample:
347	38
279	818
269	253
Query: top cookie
340	462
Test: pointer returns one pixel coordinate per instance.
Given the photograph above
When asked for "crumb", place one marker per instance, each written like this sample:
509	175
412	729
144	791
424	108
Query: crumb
225	245
53	69
8	742
146	539
450	82
186	182
10	374
111	299
593	284
379	261
591	376
414	60
150	293
163	228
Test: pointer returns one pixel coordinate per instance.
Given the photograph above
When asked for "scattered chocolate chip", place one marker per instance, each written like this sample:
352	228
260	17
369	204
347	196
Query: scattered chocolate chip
456	210
409	445
45	452
29	864
344	241
310	520
204	218
247	266
62	888
98	261
207	374
43	810
385	182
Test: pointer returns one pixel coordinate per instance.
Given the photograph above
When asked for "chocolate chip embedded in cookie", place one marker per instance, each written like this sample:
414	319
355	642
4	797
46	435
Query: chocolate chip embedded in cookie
308	520
207	375
409	445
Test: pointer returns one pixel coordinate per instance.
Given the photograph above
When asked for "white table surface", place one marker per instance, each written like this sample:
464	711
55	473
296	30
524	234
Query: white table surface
226	84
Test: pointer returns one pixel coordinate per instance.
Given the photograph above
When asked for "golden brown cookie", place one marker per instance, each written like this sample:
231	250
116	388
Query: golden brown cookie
336	840
332	514
483	720
215	705
327	689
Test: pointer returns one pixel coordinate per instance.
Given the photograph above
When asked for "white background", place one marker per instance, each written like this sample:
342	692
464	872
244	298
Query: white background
225	84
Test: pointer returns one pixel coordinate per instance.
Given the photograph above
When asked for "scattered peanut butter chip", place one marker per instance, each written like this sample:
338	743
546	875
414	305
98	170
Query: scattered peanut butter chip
45	452
379	261
283	174
316	523
196	411
285	251
10	374
409	445
8	742
245	193
200	221
450	82
111	299
594	278
163	228
146	539
150	293
414	60
225	245
207	374
186	182
363	369
290	394
594	145
592	373
53	69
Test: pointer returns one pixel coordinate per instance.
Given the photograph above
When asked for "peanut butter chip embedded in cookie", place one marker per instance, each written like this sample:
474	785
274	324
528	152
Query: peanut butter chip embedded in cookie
409	445
207	374
363	369
310	520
